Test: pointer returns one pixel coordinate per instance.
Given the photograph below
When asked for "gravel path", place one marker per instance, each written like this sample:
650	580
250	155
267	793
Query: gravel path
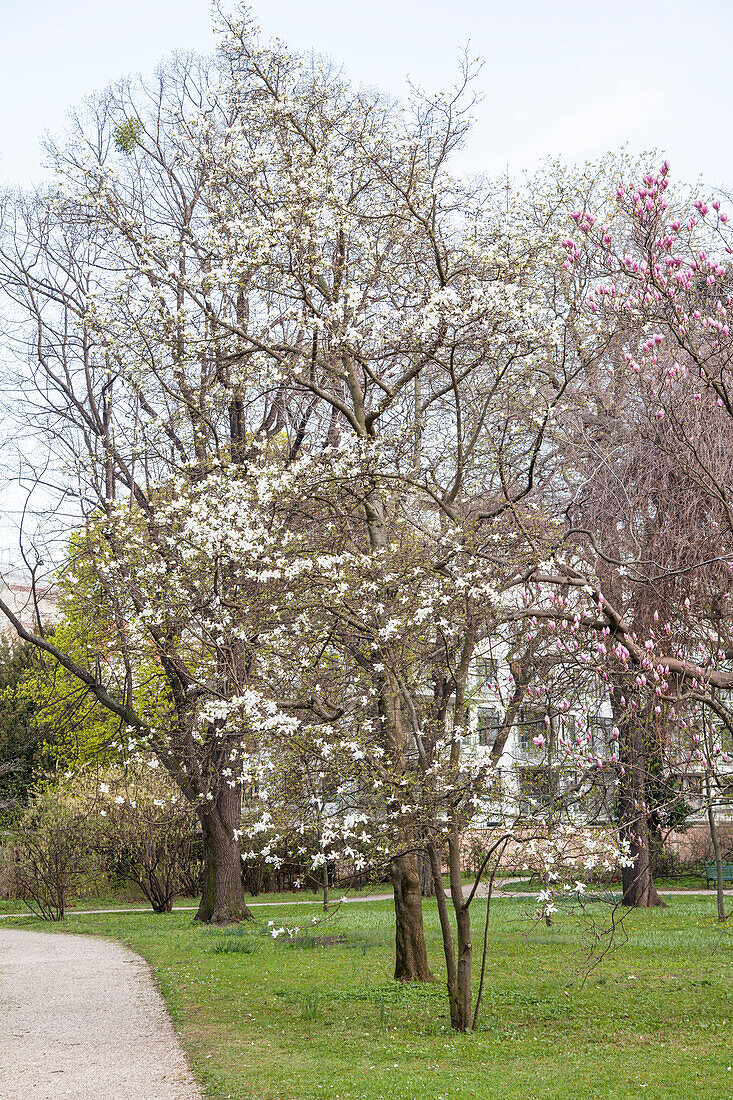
81	1017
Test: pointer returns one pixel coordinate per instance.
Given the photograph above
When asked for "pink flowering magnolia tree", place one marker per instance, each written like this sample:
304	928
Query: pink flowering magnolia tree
648	513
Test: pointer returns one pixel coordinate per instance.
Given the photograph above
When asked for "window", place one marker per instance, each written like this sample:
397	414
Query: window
488	725
530	723
569	727
486	670
536	785
599	728
692	785
723	785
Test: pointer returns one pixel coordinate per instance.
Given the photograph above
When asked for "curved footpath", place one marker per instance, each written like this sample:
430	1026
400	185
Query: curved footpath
82	1018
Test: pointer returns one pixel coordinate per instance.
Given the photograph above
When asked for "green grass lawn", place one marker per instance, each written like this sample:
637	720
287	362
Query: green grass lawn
262	1020
685	882
134	899
673	882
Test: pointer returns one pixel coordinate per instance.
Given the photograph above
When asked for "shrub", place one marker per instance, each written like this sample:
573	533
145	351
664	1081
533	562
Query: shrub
145	832
47	853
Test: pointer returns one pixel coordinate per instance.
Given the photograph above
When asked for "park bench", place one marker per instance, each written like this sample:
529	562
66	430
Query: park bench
711	874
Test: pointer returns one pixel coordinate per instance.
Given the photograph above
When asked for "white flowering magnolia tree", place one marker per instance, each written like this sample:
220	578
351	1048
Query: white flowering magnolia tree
260	253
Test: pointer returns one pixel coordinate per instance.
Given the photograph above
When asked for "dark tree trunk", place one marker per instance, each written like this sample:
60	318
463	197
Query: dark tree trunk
461	1015
163	906
158	894
465	960
411	957
222	898
427	887
445	928
656	844
639	890
458	972
638	882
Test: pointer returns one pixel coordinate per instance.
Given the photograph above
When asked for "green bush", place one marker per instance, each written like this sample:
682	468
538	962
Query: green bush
47	854
144	832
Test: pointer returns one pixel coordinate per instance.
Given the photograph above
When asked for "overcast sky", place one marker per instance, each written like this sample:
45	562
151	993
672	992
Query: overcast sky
561	77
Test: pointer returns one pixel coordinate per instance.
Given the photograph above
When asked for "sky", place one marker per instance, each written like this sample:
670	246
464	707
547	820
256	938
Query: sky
569	78
561	78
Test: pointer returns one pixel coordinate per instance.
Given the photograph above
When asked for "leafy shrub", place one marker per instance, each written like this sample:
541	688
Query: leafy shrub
47	853
145	832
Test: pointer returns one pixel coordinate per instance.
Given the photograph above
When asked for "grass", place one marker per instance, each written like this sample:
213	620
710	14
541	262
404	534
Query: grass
132	898
672	882
685	882
267	1021
135	899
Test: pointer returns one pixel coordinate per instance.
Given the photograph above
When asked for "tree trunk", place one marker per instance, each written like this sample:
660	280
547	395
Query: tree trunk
718	856
411	957
464	946
465	959
639	890
458	973
638	883
448	951
165	906
222	898
427	887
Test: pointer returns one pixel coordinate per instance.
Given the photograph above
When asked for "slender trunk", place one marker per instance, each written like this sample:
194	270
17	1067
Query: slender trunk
501	849
411	957
457	962
222	898
716	850
164	906
325	887
465	959
157	894
448	950
463	930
